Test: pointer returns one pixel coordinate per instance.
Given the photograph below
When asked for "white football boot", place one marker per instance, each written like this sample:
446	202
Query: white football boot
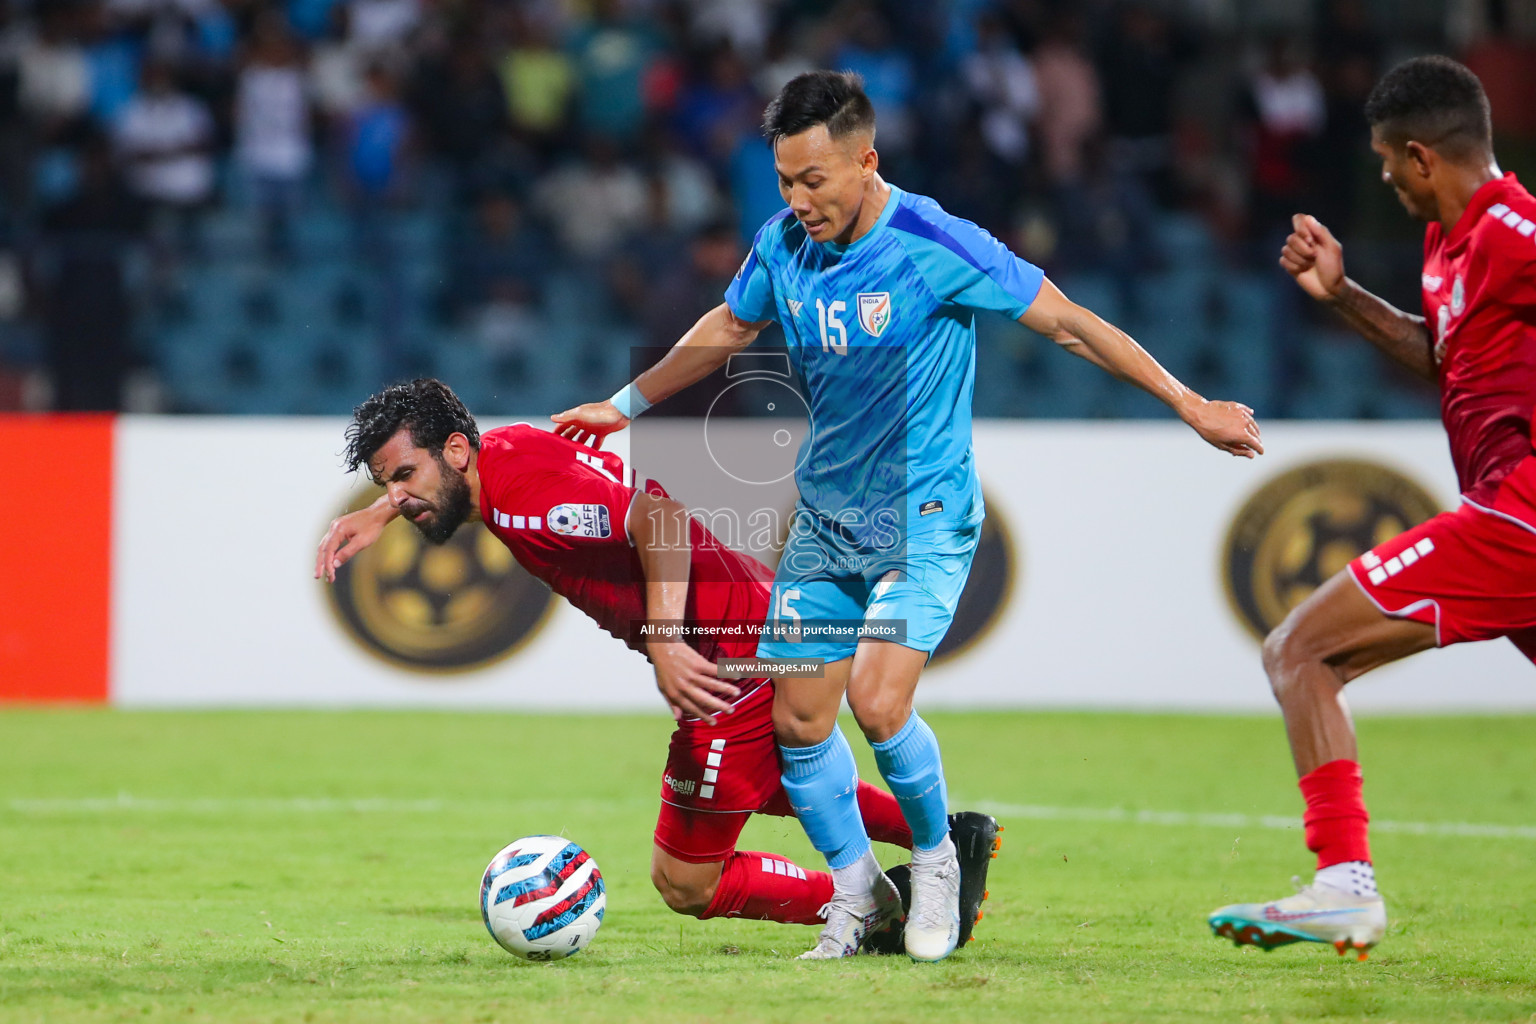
933	925
850	920
1317	913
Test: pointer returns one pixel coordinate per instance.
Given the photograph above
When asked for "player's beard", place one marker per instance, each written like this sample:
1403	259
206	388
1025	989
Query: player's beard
450	510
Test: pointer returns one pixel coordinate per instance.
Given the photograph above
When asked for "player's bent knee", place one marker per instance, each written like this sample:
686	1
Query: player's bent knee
684	896
1288	649
881	715
1274	655
795	728
1283	653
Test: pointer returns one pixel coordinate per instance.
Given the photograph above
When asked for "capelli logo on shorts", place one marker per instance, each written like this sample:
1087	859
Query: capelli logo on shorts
1305	525
682	787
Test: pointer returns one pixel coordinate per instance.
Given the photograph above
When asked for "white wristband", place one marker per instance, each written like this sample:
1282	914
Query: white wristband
629	401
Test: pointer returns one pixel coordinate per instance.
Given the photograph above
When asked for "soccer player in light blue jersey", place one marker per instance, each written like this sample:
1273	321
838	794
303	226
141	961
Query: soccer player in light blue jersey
876	290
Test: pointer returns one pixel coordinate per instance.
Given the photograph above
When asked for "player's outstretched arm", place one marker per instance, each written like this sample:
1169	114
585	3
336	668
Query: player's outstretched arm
700	352
1226	425
350	534
686	679
1316	260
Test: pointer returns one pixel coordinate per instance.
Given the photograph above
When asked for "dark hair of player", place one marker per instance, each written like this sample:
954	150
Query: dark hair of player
832	98
428	408
1434	101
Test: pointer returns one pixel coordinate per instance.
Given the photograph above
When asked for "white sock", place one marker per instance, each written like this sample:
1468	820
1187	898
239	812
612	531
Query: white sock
857	878
1352	876
945	851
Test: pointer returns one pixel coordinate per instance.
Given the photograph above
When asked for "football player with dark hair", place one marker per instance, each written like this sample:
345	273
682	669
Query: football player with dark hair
621	550
1468	574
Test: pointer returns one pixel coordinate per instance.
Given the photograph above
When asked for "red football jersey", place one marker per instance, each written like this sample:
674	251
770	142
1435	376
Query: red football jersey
561	507
1480	304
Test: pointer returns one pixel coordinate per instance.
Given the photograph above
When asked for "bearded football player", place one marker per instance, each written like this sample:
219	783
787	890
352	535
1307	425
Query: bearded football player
622	551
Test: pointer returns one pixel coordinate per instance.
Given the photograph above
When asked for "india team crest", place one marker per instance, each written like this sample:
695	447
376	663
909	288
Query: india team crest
875	311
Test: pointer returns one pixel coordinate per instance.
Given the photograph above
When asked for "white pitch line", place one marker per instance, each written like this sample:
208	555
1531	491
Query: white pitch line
386	805
1187	819
221	805
127	802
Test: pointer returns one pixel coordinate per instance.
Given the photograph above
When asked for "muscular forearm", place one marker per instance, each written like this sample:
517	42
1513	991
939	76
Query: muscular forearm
1085	334
703	350
1401	335
660	531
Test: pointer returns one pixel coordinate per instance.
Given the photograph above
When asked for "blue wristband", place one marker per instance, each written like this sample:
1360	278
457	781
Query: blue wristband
629	401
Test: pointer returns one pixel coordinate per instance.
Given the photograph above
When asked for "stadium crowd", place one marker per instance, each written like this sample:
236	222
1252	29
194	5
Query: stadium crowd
609	150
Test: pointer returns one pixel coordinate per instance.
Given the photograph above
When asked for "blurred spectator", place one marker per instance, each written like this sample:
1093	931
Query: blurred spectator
1344	33
336	67
616	125
667	281
1287	113
380	27
1342	163
165	140
504	258
499	274
594	204
976	184
1002	86
740	25
272	132
1137	68
115	54
539	81
1070	109
377	142
683	189
54	79
719	109
86	310
612	55
889	76
460	105
754	185
1505	61
781	61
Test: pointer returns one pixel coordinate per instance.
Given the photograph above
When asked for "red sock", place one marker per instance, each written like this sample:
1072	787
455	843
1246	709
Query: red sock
763	887
882	815
1336	818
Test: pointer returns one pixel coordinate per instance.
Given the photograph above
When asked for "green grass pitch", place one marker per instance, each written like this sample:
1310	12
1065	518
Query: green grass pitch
254	866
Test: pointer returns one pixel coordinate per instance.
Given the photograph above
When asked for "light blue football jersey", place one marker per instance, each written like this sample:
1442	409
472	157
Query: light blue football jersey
882	335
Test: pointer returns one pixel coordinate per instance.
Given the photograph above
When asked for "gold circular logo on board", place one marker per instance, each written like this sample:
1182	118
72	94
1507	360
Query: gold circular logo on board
1306	525
455	606
987	588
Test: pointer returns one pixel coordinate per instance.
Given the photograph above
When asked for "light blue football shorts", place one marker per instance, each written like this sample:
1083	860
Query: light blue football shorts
830	592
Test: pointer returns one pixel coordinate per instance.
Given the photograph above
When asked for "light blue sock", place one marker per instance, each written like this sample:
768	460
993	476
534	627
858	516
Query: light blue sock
911	766
822	783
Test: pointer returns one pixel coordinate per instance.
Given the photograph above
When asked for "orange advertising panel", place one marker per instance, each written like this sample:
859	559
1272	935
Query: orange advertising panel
55	558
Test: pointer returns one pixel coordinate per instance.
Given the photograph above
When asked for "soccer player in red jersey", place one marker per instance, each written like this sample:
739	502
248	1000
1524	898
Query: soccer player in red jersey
621	550
1464	575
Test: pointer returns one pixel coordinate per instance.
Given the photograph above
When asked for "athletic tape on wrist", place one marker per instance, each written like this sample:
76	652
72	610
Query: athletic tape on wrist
629	401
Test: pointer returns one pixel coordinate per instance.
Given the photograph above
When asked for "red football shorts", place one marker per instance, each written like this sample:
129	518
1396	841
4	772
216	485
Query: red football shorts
1469	573
717	776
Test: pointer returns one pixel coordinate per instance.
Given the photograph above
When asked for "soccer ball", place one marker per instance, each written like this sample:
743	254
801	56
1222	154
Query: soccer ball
564	519
542	898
